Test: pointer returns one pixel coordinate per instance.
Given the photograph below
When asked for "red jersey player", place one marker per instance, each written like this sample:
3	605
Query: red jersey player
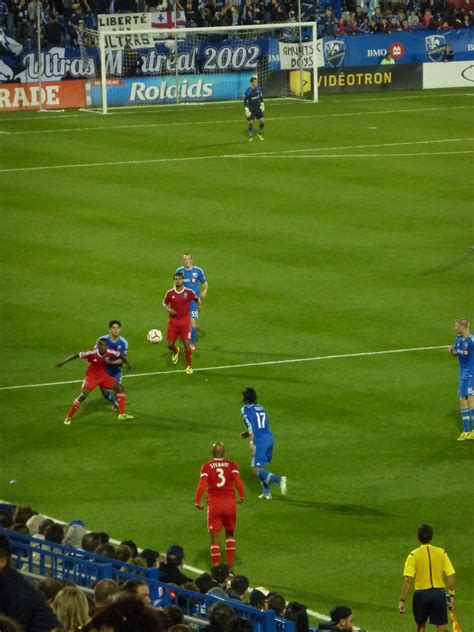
177	302
219	477
96	375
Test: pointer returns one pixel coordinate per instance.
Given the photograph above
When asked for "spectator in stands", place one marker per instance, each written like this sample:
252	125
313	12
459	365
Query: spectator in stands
239	624
220	616
74	534
123	553
42	528
8	625
23	513
106	550
53	32
171	569
327	24
20	599
125	615
54	533
278	604
257	599
71	608
136	588
341	619
413	20
175	615
34	524
104	591
20	527
448	53
3	14
387	60
6	520
220	575
132	546
297	612
204	582
151	557
50	587
90	541
238	587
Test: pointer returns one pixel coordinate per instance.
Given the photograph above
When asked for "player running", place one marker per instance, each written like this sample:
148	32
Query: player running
219	477
177	303
261	442
99	359
116	342
254	108
463	348
194	278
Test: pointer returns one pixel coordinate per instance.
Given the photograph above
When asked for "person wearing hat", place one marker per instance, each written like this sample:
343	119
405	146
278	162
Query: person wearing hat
171	569
341	619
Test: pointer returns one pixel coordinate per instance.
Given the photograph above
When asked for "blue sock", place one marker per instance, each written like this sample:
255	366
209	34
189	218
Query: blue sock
109	396
472	418
268	477
466	419
266	489
193	335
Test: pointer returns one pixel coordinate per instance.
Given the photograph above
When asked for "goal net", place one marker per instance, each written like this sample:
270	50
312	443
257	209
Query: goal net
153	66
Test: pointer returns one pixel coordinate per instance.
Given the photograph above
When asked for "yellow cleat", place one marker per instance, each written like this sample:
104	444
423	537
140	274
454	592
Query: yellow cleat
67	421
464	436
260	137
174	357
125	417
471	436
189	370
250	139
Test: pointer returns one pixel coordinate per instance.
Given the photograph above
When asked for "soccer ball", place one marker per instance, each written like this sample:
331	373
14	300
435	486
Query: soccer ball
155	336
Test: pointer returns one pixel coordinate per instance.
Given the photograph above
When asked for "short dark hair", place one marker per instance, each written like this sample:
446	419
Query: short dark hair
104	589
204	582
277	603
50	587
425	533
239	624
132	546
90	541
250	395
114	322
131	586
180	274
221	614
54	533
296	612
240	584
220	572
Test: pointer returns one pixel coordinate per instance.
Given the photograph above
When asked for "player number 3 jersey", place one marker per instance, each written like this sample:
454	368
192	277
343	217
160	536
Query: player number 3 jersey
220	476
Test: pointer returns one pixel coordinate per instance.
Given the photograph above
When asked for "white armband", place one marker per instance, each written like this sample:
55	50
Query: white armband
247	112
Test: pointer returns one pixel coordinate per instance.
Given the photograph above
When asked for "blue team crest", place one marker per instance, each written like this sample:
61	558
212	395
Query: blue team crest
334	52
435	47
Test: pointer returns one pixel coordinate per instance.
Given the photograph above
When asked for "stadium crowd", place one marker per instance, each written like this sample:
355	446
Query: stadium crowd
62	19
60	606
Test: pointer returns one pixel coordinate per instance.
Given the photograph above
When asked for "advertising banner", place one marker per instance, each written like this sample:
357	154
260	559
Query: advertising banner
368	78
156	90
457	74
406	48
292	55
52	96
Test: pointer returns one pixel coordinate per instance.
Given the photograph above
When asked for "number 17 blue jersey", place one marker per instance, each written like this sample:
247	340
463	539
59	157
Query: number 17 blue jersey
256	420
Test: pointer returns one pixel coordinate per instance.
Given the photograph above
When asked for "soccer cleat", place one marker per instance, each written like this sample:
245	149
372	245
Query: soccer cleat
283	485
114	408
174	357
189	370
250	139
67	421
125	417
471	436
192	346
464	436
260	137
266	496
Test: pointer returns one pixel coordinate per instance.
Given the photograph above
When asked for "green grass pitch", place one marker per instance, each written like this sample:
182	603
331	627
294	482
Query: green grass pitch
349	230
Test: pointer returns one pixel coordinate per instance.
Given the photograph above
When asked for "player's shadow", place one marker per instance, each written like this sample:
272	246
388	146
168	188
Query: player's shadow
452	265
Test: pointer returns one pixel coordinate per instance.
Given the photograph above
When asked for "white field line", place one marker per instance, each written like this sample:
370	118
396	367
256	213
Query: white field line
240	366
227	106
276	154
233	121
393	155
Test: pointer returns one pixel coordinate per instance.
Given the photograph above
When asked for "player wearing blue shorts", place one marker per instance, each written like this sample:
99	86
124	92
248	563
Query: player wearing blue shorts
261	442
194	279
116	342
463	348
254	108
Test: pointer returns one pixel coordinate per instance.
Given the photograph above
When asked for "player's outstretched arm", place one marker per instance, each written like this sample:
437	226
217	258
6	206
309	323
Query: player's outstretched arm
126	362
199	492
205	287
66	360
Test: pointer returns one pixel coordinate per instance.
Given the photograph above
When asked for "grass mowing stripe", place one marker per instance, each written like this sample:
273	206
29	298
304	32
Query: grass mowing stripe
244	365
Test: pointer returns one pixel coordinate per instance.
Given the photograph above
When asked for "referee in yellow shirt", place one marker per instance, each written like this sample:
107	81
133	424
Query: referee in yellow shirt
427	567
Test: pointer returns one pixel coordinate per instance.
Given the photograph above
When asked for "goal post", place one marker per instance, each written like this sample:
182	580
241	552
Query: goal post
155	66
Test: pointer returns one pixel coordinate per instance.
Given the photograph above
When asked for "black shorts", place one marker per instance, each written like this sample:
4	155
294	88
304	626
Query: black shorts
430	603
255	114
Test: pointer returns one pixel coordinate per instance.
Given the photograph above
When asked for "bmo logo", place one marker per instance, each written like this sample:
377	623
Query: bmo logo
397	50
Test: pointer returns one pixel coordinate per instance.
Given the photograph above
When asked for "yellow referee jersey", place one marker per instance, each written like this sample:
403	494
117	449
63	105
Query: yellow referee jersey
428	564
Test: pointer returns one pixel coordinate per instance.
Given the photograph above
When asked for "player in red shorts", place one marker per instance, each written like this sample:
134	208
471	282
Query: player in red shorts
176	303
219	477
96	375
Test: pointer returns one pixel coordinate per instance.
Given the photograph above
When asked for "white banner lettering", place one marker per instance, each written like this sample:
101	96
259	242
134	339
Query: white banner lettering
294	56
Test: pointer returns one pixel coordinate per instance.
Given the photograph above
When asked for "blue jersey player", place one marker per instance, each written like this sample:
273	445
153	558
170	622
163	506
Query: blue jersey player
194	279
254	108
116	342
463	348
261	442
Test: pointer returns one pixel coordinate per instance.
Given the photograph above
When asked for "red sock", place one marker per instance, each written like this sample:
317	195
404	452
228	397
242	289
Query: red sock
215	554
72	411
189	355
175	350
121	403
230	552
